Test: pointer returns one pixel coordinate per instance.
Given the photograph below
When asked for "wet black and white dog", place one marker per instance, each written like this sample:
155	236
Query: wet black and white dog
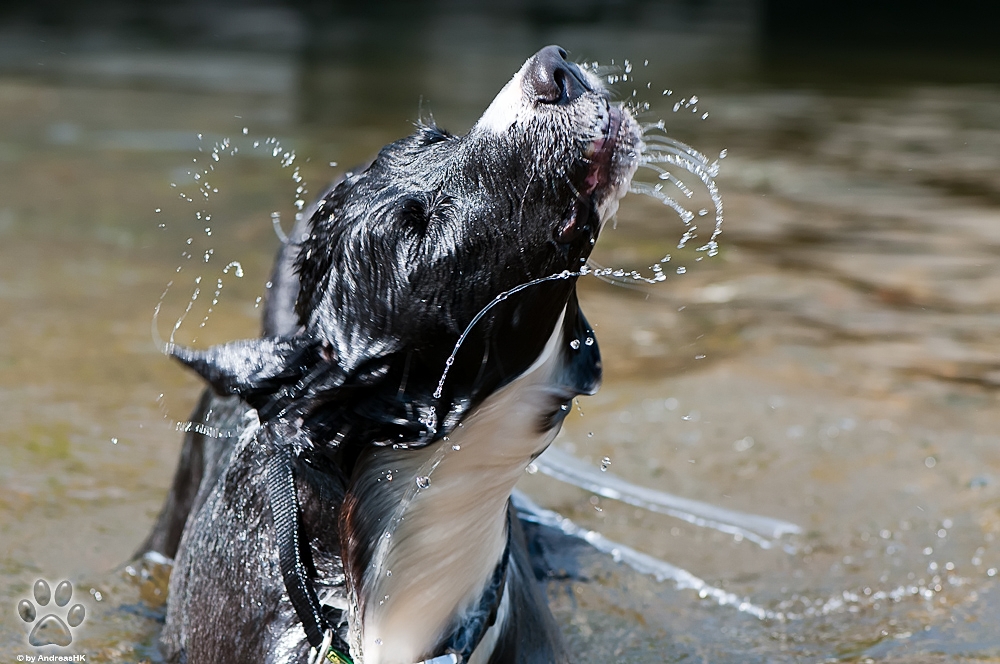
364	511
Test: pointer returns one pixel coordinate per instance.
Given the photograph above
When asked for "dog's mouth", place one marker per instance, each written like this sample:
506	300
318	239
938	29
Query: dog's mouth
601	152
610	160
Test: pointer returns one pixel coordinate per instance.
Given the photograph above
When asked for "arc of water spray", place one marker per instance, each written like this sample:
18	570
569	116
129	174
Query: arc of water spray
165	347
643	563
763	531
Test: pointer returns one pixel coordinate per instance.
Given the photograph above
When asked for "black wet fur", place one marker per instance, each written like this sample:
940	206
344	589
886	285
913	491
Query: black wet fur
378	281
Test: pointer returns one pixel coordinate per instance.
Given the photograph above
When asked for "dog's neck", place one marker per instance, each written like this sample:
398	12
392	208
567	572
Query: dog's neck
442	518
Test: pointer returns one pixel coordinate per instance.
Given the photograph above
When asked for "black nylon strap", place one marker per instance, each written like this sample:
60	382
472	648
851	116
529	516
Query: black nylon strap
285	512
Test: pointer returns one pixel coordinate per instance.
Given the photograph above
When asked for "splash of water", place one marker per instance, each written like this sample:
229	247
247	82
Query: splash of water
660	149
565	274
213	154
764	531
640	562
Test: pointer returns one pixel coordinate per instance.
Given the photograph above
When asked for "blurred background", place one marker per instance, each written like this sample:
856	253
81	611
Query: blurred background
835	366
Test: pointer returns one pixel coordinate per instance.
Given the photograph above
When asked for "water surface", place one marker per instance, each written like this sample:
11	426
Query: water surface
834	366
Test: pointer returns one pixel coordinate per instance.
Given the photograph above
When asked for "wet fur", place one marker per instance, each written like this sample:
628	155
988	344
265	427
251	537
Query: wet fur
378	281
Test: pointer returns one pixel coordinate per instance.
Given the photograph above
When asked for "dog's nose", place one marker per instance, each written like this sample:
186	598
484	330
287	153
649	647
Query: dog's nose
553	79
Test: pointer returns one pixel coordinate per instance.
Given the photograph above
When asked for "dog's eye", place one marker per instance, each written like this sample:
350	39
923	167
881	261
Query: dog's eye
576	224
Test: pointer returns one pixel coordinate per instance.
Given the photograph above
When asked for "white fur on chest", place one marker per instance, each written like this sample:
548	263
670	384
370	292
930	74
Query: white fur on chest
442	545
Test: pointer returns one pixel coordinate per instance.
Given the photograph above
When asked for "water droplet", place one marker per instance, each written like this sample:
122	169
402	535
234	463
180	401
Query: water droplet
378	642
423	482
388	572
681	270
930	462
456	447
574	344
605	464
531	469
388	477
589	341
723	153
590	434
114	441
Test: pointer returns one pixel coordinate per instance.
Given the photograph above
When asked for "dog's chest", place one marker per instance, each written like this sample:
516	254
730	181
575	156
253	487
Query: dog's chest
443	515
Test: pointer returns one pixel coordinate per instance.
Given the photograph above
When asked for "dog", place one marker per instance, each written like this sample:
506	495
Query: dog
422	342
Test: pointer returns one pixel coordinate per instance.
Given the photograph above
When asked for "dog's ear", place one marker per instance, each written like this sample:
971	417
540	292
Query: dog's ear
251	367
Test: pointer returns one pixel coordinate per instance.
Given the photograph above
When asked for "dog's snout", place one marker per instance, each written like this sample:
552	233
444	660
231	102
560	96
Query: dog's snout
553	79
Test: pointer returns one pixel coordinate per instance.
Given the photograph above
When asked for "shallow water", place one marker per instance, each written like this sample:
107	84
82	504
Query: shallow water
834	366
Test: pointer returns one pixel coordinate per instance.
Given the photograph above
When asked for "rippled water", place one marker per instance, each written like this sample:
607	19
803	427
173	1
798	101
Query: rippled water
834	366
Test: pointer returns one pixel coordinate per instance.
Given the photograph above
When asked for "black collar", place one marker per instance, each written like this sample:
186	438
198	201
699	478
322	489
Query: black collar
470	631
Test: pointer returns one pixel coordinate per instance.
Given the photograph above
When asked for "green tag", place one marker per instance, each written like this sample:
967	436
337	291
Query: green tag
334	656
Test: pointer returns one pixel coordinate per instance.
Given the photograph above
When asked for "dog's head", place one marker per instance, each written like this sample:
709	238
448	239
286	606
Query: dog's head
400	257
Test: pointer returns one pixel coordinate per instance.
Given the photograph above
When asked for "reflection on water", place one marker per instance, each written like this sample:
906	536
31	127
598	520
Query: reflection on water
833	367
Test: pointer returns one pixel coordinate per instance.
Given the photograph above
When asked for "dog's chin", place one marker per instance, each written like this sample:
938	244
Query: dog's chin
614	158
